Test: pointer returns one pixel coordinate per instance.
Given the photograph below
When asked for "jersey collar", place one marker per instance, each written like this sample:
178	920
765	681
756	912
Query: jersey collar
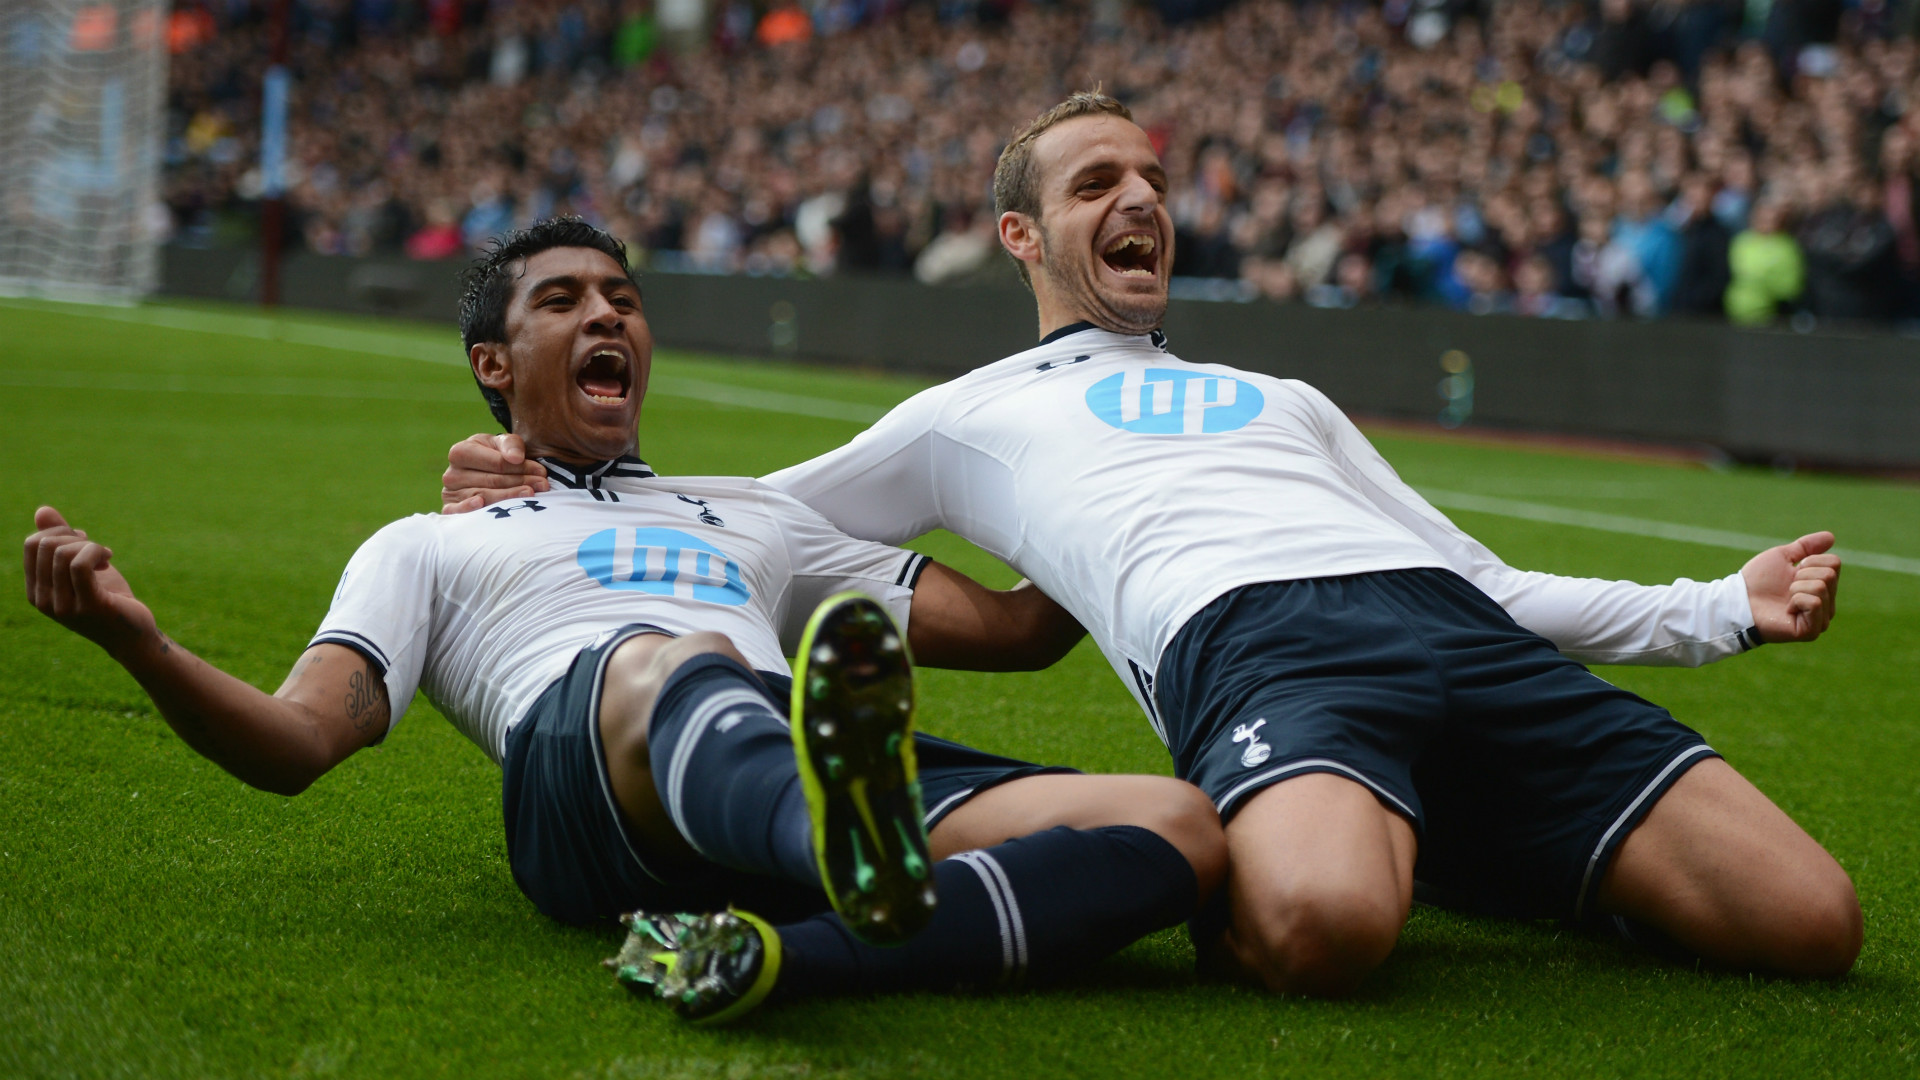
593	477
1157	336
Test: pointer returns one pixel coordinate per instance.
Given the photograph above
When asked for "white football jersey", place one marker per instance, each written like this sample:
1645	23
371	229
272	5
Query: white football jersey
483	610
1135	488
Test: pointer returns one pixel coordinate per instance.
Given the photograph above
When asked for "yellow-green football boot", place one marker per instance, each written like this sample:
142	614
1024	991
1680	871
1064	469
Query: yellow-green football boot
713	969
853	737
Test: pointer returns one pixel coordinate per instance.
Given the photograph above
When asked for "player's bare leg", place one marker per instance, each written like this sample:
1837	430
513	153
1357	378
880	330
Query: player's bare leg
634	675
1724	872
1320	883
1176	811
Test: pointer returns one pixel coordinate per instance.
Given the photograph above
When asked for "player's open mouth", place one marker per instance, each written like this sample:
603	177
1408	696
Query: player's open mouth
1133	255
606	377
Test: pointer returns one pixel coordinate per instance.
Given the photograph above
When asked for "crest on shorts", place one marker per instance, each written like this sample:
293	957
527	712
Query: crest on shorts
1256	752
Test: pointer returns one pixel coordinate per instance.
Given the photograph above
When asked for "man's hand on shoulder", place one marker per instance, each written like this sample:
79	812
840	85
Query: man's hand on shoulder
72	581
1793	587
483	469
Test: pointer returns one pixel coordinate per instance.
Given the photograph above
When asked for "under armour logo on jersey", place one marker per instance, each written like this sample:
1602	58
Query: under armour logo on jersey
525	504
1256	752
664	562
1050	365
1175	401
706	515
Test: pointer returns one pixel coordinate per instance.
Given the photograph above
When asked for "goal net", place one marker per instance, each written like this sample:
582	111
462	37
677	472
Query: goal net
82	85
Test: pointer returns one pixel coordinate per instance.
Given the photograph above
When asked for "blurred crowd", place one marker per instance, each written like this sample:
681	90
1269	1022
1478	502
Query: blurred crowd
1746	159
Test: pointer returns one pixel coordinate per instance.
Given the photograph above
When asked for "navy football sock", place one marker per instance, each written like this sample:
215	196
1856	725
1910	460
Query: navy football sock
722	761
1034	907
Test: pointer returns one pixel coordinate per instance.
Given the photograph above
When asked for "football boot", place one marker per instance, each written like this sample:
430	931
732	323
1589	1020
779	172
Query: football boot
853	737
713	969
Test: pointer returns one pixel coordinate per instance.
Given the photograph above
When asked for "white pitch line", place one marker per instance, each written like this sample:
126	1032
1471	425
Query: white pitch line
262	386
298	386
765	400
1661	530
399	346
262	328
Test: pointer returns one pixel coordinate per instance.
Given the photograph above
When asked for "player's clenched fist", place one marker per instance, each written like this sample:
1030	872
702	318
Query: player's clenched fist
71	580
1793	588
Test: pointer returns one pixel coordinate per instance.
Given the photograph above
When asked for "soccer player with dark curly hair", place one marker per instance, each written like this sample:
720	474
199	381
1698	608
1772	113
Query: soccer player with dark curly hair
616	645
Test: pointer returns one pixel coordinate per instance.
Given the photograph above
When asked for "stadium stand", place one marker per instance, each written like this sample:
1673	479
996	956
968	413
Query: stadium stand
1710	158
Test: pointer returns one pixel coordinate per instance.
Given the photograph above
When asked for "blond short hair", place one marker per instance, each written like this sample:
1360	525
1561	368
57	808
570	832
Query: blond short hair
1015	185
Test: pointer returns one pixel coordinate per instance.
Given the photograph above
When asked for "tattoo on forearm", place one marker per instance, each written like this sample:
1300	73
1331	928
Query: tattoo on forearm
366	698
166	643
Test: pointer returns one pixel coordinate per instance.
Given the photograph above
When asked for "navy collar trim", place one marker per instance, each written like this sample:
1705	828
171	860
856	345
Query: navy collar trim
1072	328
1158	337
591	477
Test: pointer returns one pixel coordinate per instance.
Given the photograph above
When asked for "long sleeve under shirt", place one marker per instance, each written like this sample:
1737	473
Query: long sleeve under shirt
1134	488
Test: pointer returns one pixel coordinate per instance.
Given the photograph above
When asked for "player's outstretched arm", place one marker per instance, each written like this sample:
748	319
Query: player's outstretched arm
483	469
333	703
1793	588
956	622
1783	594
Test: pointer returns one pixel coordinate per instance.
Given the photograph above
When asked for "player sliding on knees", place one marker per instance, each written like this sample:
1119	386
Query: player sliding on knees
1369	695
616	646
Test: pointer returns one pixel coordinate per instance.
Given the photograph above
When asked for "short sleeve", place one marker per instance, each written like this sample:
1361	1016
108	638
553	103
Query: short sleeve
383	607
826	561
880	485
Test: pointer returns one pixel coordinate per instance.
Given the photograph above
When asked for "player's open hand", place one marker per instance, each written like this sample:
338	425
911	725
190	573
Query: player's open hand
1793	587
72	581
483	469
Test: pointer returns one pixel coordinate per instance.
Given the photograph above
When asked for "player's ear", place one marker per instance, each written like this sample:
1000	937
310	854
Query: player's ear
490	367
1020	235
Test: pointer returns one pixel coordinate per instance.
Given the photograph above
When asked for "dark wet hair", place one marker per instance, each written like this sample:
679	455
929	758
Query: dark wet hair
487	284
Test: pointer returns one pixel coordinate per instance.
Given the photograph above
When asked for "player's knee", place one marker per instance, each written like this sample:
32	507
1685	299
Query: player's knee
1323	943
634	677
692	646
1187	819
1823	936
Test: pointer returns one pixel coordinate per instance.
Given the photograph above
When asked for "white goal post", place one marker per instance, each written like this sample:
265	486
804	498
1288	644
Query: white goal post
82	97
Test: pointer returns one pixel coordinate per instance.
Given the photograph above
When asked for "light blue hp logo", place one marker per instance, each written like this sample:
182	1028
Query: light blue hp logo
1168	401
665	562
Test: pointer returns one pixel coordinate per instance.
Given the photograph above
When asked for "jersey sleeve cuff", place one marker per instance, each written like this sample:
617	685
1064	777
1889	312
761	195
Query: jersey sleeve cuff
1734	610
358	643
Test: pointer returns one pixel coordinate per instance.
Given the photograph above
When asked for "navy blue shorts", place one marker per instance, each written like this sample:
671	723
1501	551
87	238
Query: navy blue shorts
570	850
1520	770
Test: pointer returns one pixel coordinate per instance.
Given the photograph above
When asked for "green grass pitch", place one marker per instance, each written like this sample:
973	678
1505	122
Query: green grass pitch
159	919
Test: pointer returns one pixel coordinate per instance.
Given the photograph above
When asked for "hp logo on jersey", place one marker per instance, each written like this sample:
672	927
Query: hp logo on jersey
664	562
1170	401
